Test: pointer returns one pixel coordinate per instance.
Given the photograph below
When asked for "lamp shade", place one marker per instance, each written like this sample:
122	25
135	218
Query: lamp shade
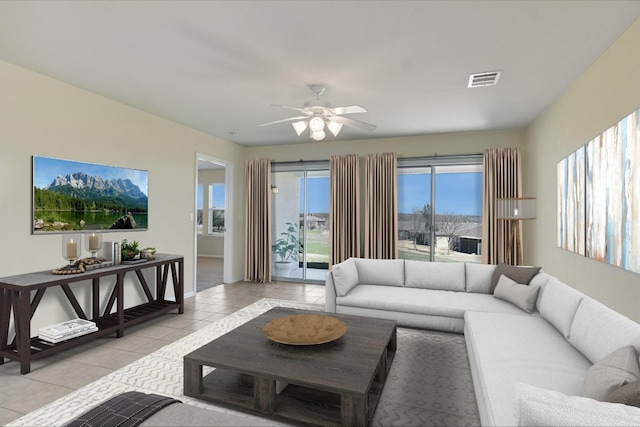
318	135
334	127
516	208
299	126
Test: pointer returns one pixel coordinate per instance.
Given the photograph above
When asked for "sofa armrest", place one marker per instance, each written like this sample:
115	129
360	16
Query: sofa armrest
329	293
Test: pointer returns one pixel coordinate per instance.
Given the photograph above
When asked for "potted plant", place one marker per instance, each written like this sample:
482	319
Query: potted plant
287	248
129	250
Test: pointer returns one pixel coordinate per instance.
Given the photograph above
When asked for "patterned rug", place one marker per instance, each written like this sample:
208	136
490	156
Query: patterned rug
429	382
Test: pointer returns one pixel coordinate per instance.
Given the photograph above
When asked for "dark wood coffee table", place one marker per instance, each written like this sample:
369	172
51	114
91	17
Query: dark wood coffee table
337	383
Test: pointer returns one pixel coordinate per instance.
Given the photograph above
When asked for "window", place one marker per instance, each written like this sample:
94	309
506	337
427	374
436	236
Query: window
199	205
440	209
216	208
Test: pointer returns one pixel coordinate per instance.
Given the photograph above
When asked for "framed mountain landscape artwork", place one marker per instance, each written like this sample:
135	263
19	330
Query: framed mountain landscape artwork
70	196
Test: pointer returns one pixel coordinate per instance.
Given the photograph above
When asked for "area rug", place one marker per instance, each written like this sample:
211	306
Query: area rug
429	382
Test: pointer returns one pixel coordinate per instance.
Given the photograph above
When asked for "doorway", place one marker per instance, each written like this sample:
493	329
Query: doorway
213	222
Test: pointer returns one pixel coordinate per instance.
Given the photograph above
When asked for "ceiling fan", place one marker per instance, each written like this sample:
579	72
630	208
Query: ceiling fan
318	114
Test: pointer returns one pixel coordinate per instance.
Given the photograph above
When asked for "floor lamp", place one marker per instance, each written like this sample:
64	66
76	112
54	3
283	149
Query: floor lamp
514	210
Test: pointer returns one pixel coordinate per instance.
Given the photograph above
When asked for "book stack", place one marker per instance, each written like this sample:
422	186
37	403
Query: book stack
66	330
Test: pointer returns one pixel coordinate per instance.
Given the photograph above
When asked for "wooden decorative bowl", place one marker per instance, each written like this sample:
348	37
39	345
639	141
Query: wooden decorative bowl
305	329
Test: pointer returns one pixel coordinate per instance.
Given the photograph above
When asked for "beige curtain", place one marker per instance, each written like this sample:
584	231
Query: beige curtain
258	221
501	178
344	209
381	206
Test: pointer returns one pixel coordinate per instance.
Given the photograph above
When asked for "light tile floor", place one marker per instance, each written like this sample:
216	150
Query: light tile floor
60	374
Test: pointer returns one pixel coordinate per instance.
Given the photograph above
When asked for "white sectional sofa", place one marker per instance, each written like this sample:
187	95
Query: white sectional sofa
543	366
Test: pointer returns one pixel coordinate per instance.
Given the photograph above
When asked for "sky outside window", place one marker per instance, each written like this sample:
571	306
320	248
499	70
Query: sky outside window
460	193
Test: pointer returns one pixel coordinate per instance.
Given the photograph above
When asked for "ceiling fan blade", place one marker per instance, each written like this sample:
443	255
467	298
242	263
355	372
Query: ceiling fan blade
290	119
291	108
354	123
349	109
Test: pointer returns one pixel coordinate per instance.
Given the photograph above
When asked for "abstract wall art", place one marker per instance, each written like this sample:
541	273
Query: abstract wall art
571	202
599	197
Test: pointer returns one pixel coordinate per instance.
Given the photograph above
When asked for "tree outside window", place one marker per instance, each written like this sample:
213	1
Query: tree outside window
216	208
200	217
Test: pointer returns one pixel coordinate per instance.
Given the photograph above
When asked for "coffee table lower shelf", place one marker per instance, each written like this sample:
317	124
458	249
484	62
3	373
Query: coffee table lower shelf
295	403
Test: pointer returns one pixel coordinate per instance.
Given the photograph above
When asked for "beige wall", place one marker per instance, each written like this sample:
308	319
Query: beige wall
416	146
605	93
42	116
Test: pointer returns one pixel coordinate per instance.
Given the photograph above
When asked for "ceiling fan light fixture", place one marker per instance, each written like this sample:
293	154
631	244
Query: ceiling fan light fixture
299	127
316	124
334	127
318	116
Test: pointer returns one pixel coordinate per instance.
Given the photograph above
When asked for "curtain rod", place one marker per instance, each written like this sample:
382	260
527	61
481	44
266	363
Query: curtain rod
299	162
435	155
440	158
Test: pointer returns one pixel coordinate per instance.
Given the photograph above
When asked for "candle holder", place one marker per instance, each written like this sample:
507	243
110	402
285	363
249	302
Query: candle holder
93	242
71	244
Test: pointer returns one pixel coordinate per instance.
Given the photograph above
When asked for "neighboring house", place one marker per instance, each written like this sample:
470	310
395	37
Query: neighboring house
468	237
314	222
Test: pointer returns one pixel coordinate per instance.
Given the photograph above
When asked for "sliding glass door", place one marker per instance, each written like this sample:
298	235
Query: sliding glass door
300	222
440	209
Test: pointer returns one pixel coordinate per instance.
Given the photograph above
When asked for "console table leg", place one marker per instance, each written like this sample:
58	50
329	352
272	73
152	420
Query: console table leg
120	304
264	393
354	411
95	292
5	312
22	318
180	288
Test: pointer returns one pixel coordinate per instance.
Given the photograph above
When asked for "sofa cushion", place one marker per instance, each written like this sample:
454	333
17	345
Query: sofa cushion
478	277
504	349
611	373
345	276
387	272
540	280
431	302
542	407
522	275
559	304
447	276
628	394
598	331
522	296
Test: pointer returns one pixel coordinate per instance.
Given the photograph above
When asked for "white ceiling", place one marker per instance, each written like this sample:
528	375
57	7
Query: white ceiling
217	66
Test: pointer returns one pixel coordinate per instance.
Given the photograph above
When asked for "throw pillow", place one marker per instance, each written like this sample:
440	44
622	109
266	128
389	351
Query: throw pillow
628	394
559	304
522	275
611	373
345	277
541	407
522	296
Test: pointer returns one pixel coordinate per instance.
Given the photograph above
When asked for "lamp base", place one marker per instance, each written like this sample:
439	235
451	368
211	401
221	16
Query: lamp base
514	238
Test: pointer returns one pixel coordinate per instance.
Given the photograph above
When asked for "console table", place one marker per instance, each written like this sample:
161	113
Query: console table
15	297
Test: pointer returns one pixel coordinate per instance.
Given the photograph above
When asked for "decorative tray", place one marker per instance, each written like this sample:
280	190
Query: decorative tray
305	329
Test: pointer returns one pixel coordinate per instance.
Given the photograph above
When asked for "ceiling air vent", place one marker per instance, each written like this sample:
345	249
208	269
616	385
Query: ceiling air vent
489	78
